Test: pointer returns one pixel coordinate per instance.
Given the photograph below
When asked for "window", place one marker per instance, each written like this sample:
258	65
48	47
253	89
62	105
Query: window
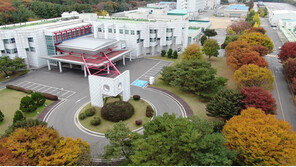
126	31
14	50
138	32
169	30
27	49
2	51
32	49
110	30
152	39
12	40
5	41
121	31
99	29
8	51
169	38
132	32
114	30
30	39
152	31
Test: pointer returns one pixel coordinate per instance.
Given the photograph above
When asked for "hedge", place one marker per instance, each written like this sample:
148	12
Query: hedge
149	111
117	111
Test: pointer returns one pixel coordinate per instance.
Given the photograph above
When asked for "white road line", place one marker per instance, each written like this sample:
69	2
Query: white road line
81	99
30	85
70	95
65	93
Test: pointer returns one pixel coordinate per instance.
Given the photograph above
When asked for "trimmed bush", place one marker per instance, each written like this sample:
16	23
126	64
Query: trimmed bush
149	111
18	116
1	116
18	89
38	98
175	55
82	116
27	104
170	53
95	121
163	53
136	97
139	122
50	96
117	111
90	111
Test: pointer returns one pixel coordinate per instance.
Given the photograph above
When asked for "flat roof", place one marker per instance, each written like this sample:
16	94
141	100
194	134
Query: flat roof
237	7
177	12
87	44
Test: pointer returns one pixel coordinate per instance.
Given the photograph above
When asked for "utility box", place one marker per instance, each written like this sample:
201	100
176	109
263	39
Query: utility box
151	80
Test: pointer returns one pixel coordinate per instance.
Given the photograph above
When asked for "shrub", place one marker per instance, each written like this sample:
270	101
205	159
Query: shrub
38	98
27	104
1	116
95	121
228	39
90	111
117	111
19	89
18	116
175	55
136	97
163	53
23	124
50	96
210	32
149	111
170	52
82	116
139	122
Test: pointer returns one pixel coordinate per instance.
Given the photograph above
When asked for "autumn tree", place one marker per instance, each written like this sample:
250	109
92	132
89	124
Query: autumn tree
230	31
254	76
237	47
256	38
228	39
260	139
226	104
262	50
290	68
251	57
240	26
193	52
259	98
256	29
211	47
288	50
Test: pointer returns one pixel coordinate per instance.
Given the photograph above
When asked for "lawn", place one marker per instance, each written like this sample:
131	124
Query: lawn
198	107
18	73
9	103
140	113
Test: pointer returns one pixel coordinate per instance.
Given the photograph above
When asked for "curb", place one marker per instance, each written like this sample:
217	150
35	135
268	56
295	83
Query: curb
47	110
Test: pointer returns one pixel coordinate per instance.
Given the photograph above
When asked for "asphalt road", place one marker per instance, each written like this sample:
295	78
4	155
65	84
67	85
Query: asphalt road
62	118
284	99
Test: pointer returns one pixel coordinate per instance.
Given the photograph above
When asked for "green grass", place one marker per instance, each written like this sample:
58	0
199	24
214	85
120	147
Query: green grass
16	74
140	113
9	103
197	106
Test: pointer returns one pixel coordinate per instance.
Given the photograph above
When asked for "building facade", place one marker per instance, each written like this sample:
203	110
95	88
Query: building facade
192	6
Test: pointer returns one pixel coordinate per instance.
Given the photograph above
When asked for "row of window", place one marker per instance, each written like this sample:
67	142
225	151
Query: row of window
132	32
75	34
12	40
9	51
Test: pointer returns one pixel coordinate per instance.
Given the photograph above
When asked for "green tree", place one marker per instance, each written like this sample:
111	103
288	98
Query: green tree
203	39
194	76
18	116
228	39
170	53
38	98
210	32
27	104
163	53
120	138
169	140
1	116
226	104
175	54
8	65
211	47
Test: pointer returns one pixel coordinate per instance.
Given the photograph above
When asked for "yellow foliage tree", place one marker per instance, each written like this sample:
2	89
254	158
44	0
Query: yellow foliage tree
193	52
252	75
256	19
230	31
256	38
260	139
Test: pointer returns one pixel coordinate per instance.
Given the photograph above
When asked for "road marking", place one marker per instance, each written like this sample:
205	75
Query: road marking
279	97
80	99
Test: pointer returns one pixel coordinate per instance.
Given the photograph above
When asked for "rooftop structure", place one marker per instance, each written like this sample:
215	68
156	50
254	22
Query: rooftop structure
235	10
288	27
192	6
276	15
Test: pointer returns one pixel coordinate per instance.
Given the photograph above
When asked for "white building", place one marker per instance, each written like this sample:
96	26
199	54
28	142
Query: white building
276	15
288	27
192	6
35	40
234	10
212	4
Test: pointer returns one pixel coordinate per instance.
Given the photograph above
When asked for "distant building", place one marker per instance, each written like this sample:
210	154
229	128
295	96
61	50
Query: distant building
170	5
234	11
276	15
288	27
212	4
192	6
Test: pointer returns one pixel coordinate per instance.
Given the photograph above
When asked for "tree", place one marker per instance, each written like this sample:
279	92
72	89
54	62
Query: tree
8	65
237	48
194	76
211	47
27	104
163	53
230	31
290	69
203	39
250	57
288	50
256	19
254	76
256	38
38	98
226	104
259	98
210	32
240	26
175	55
251	4
18	116
193	52
250	16
1	116
228	39
120	138
170	52
260	139
262	50
256	29
169	140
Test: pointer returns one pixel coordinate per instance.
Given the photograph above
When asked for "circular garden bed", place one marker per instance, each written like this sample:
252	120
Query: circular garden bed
134	114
